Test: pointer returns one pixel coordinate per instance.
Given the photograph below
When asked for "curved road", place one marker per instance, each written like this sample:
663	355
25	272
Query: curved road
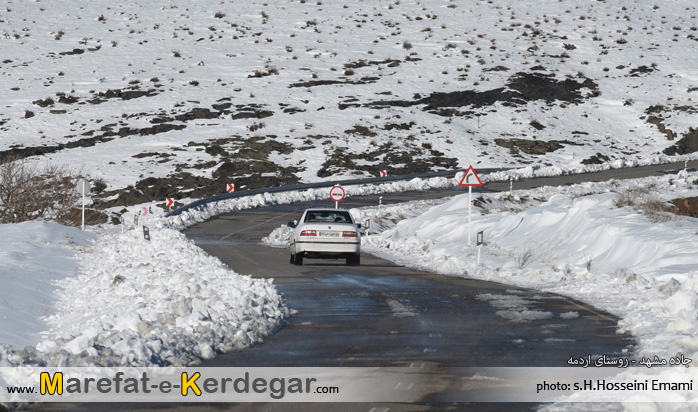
381	314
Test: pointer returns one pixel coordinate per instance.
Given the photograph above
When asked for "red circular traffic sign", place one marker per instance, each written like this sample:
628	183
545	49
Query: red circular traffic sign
337	193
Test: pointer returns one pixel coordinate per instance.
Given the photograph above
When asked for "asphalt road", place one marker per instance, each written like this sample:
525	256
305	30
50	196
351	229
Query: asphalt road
380	314
628	173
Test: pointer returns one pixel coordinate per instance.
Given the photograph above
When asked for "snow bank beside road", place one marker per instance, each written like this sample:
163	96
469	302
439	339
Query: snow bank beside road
204	212
632	261
160	302
163	301
574	241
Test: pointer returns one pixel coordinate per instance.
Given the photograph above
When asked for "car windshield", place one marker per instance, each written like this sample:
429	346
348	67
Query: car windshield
328	216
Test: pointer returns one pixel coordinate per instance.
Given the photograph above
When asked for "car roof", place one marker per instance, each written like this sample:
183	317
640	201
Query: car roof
325	209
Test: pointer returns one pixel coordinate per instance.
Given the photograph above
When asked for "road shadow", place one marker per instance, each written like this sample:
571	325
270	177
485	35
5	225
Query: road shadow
378	265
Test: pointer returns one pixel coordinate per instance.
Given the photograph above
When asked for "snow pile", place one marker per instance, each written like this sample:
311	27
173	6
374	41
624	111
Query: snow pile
279	237
159	302
576	241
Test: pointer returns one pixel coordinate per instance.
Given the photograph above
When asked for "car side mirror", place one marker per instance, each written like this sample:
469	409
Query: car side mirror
358	225
293	224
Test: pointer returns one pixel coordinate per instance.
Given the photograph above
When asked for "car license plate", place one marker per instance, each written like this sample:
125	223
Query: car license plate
329	234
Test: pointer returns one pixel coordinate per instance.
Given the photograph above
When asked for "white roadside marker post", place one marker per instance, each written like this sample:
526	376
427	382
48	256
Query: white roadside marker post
83	187
83	208
480	241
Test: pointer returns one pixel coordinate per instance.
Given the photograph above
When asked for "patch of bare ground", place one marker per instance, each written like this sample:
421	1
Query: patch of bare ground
242	161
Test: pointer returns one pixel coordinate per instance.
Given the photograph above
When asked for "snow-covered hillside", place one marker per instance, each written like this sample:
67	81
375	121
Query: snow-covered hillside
264	93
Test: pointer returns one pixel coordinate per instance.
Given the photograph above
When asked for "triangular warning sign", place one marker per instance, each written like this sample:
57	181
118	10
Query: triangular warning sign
470	178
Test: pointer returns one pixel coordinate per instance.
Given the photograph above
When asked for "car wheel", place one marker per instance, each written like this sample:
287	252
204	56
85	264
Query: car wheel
293	259
298	259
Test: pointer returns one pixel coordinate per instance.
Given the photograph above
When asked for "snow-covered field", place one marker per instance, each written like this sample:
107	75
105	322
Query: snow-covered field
214	92
36	256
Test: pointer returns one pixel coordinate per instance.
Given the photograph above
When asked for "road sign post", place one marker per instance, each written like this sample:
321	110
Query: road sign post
83	188
337	194
470	179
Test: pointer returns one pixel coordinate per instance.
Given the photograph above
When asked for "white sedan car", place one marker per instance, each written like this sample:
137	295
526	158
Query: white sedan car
326	234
